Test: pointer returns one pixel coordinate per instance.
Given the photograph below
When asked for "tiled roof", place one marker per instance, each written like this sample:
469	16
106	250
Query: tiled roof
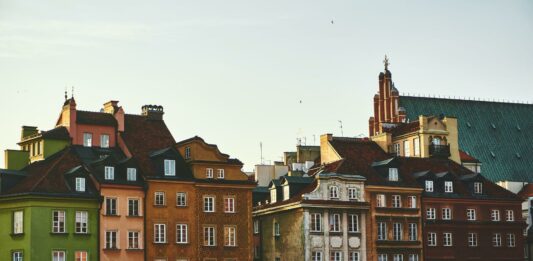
498	134
526	191
95	118
198	138
404	128
467	158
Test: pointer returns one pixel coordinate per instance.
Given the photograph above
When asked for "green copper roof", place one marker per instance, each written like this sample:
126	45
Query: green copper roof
499	134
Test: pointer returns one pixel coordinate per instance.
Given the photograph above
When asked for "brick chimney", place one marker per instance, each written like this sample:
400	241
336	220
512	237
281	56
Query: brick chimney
153	112
112	107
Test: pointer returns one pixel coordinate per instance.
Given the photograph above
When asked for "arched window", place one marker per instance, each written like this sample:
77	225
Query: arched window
333	192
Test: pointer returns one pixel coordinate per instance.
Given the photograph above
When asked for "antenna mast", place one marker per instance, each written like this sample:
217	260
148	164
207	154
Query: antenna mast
261	148
342	133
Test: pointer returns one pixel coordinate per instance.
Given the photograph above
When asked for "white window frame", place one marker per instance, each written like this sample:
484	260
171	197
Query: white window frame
413	232
416	146
160	233
496	240
134	206
353	194
509	215
413	257
229	204
133	240
353	256
316	222
277	232
87	139
18	222
448	186
432	239
511	240
209	173
209	204
111	209
472	239
397	257
446	213
210	236
59	221
471	214
478	188
335	256
131	174
406	148
396	201
431	213
317	256
334	192
104	141
181	199
182	233
59	255
17	256
230	236
382	231
82	222
397	232
393	174
411	202
111	239
381	201
187	152
494	215
256	226
109	173
80	184
169	167
447	239
160	196
353	223
429	186
335	222
220	173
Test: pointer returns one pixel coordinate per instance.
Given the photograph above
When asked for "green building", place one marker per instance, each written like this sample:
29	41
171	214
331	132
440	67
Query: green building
49	211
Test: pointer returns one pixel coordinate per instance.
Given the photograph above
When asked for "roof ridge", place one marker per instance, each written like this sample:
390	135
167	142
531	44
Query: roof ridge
466	99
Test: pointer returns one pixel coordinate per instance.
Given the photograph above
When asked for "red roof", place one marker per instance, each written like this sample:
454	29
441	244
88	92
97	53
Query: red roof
404	128
95	118
467	158
526	191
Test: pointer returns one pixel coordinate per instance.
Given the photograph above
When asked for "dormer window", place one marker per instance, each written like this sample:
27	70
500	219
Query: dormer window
334	192
209	173
286	192
478	187
393	174
87	139
448	186
273	196
406	149
187	152
220	173
429	185
131	174
170	168
353	194
109	173
80	184
104	141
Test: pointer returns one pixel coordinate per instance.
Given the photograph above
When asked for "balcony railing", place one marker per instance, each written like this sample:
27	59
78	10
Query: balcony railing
441	151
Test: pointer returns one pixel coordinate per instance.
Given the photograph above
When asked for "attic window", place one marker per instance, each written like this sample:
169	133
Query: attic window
393	174
109	173
493	126
170	167
492	154
80	184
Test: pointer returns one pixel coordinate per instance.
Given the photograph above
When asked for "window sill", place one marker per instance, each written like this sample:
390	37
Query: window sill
181	244
59	233
134	249
136	216
107	215
184	206
112	249
161	243
82	234
17	234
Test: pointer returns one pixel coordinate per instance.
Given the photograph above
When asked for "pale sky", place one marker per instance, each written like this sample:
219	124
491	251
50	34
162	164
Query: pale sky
234	72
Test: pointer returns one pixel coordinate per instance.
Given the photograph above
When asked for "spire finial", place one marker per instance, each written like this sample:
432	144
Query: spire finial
72	93
386	62
66	96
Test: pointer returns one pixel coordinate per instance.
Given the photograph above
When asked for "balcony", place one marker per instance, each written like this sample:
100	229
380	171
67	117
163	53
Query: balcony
439	151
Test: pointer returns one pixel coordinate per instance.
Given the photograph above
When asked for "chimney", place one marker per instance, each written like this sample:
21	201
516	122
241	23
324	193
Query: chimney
111	107
153	112
28	131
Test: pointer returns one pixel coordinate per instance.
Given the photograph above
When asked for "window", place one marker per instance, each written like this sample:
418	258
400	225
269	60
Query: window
104	141
256	226
58	255
353	223
159	198
411	201
396	149
133	240
18	222
472	239
416	146
447	239
109	173
181	234
448	186
397	257
380	201
382	231
133	207
80	184
209	204
382	257
393	174
316	222
181	199
430	213
353	256
229	205
496	240
478	187
111	240
187	152
87	139
316	256
511	240
81	225
335	256
209	173
495	215
413	232
432	239
170	168
276	229
396	201
58	221
429	185
333	192
353	193
406	149
335	223
397	233
131	174
413	257
471	214
160	233
220	173
446	213
509	215
230	236
209	236
17	256
111	206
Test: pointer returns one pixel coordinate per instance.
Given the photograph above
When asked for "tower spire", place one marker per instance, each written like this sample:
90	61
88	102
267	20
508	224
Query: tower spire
386	62
66	96
72	93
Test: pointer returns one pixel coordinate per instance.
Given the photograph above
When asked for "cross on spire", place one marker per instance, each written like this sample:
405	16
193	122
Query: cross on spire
386	62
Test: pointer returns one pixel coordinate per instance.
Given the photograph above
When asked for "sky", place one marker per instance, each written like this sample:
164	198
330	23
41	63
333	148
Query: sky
241	73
